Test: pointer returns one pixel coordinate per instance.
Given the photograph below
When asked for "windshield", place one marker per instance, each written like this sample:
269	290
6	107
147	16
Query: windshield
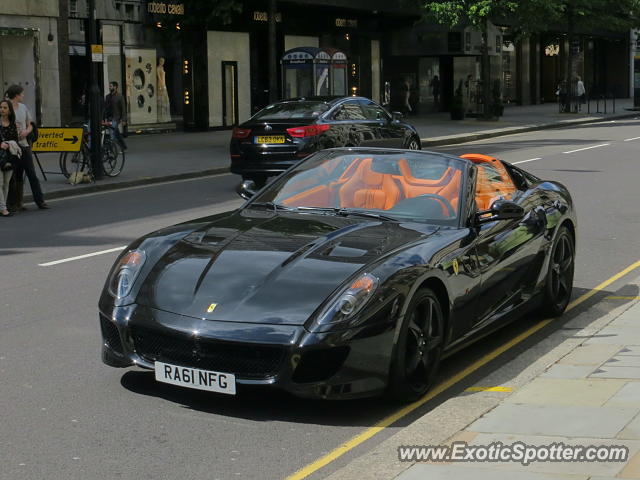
405	186
287	110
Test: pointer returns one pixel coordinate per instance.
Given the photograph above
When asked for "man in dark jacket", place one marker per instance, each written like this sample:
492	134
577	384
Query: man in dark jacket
114	111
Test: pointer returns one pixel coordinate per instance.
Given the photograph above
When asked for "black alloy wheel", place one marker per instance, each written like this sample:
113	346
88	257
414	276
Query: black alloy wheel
559	280
413	144
419	348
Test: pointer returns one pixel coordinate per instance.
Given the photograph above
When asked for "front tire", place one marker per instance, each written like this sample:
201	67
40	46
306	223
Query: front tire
419	349
559	281
259	180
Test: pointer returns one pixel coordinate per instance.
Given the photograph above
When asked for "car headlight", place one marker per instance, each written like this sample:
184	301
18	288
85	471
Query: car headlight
125	272
350	302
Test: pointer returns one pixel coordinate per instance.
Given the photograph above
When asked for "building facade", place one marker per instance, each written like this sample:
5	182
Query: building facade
176	70
29	55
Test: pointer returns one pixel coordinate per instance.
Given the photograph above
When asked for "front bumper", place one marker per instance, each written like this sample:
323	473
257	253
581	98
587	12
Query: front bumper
344	364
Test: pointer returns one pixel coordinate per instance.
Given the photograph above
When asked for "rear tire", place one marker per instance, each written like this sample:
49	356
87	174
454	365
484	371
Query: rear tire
559	281
419	349
414	143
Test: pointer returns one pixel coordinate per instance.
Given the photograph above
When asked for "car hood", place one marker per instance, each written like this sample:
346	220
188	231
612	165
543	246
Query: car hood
261	267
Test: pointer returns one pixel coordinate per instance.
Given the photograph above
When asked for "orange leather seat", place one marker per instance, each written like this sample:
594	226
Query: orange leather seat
447	186
369	189
490	187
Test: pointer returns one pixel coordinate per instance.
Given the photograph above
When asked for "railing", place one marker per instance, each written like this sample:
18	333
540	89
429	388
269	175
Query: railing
604	103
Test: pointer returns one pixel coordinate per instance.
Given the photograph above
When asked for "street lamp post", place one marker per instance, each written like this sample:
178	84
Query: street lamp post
95	97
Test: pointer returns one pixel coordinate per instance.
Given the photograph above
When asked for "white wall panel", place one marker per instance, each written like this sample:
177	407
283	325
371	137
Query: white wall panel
228	47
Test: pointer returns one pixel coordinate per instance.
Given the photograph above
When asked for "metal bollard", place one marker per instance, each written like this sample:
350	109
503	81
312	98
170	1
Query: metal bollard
605	105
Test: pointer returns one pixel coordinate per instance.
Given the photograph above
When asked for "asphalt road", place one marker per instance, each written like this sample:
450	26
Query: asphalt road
64	415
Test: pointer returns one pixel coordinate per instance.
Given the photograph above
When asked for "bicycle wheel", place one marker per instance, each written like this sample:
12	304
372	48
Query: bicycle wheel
71	162
112	158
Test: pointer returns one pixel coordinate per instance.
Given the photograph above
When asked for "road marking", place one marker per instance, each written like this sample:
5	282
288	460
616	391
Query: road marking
621	298
630	139
525	161
588	148
604	284
445	385
489	389
80	257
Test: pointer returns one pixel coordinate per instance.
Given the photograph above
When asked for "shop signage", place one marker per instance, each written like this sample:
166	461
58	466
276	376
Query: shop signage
165	8
346	22
264	17
96	53
58	140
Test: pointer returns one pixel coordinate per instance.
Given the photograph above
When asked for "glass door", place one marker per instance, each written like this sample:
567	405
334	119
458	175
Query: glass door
229	93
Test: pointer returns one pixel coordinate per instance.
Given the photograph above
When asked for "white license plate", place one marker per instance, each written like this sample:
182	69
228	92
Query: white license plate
196	378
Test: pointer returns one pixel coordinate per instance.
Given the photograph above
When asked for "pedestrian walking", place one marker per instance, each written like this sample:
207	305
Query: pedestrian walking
114	111
435	90
406	96
11	150
24	124
581	93
561	93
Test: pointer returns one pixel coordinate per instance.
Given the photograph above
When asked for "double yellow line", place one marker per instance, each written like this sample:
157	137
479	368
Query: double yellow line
441	387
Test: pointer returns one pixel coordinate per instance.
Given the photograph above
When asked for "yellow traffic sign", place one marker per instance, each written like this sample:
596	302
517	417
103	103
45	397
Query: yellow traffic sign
58	140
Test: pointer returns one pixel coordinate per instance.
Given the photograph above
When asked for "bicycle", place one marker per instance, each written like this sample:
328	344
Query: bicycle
79	162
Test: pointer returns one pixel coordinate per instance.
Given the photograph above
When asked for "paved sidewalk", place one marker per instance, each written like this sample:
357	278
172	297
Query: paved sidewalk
589	397
584	391
158	157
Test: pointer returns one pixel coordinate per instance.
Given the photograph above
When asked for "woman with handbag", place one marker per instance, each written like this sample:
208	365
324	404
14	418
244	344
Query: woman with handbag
9	150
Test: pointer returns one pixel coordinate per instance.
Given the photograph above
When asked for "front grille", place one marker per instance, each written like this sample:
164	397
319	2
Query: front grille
243	360
110	335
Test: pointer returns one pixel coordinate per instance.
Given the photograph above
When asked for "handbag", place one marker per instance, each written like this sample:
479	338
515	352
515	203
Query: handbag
33	136
6	158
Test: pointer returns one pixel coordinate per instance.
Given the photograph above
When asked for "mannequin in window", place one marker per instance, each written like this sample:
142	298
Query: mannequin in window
164	113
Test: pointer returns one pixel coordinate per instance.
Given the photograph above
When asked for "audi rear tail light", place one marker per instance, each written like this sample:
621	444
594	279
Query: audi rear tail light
307	130
240	132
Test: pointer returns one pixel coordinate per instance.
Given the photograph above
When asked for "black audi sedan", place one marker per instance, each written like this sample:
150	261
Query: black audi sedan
283	133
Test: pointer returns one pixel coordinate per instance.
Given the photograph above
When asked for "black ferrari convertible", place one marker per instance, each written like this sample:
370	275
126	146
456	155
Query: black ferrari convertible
352	274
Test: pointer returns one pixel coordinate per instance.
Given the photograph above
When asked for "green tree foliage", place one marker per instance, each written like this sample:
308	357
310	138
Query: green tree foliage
477	13
534	16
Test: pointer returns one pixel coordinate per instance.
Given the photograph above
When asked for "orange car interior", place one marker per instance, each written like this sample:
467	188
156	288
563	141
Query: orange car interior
493	180
369	189
361	185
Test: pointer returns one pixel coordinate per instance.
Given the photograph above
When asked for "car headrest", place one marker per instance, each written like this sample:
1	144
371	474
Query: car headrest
382	165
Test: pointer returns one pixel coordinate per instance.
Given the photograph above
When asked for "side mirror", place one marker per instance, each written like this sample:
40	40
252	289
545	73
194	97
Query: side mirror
396	116
246	189
500	210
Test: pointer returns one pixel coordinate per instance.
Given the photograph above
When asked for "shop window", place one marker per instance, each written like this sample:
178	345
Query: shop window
454	41
129	12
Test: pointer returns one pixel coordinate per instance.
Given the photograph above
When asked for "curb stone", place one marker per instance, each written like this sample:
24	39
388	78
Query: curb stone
436	141
470	137
93	188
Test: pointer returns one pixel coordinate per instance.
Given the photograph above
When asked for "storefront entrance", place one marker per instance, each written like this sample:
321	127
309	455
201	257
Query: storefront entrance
17	66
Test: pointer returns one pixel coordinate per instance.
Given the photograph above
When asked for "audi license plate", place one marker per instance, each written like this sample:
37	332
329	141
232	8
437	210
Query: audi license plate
269	139
196	378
